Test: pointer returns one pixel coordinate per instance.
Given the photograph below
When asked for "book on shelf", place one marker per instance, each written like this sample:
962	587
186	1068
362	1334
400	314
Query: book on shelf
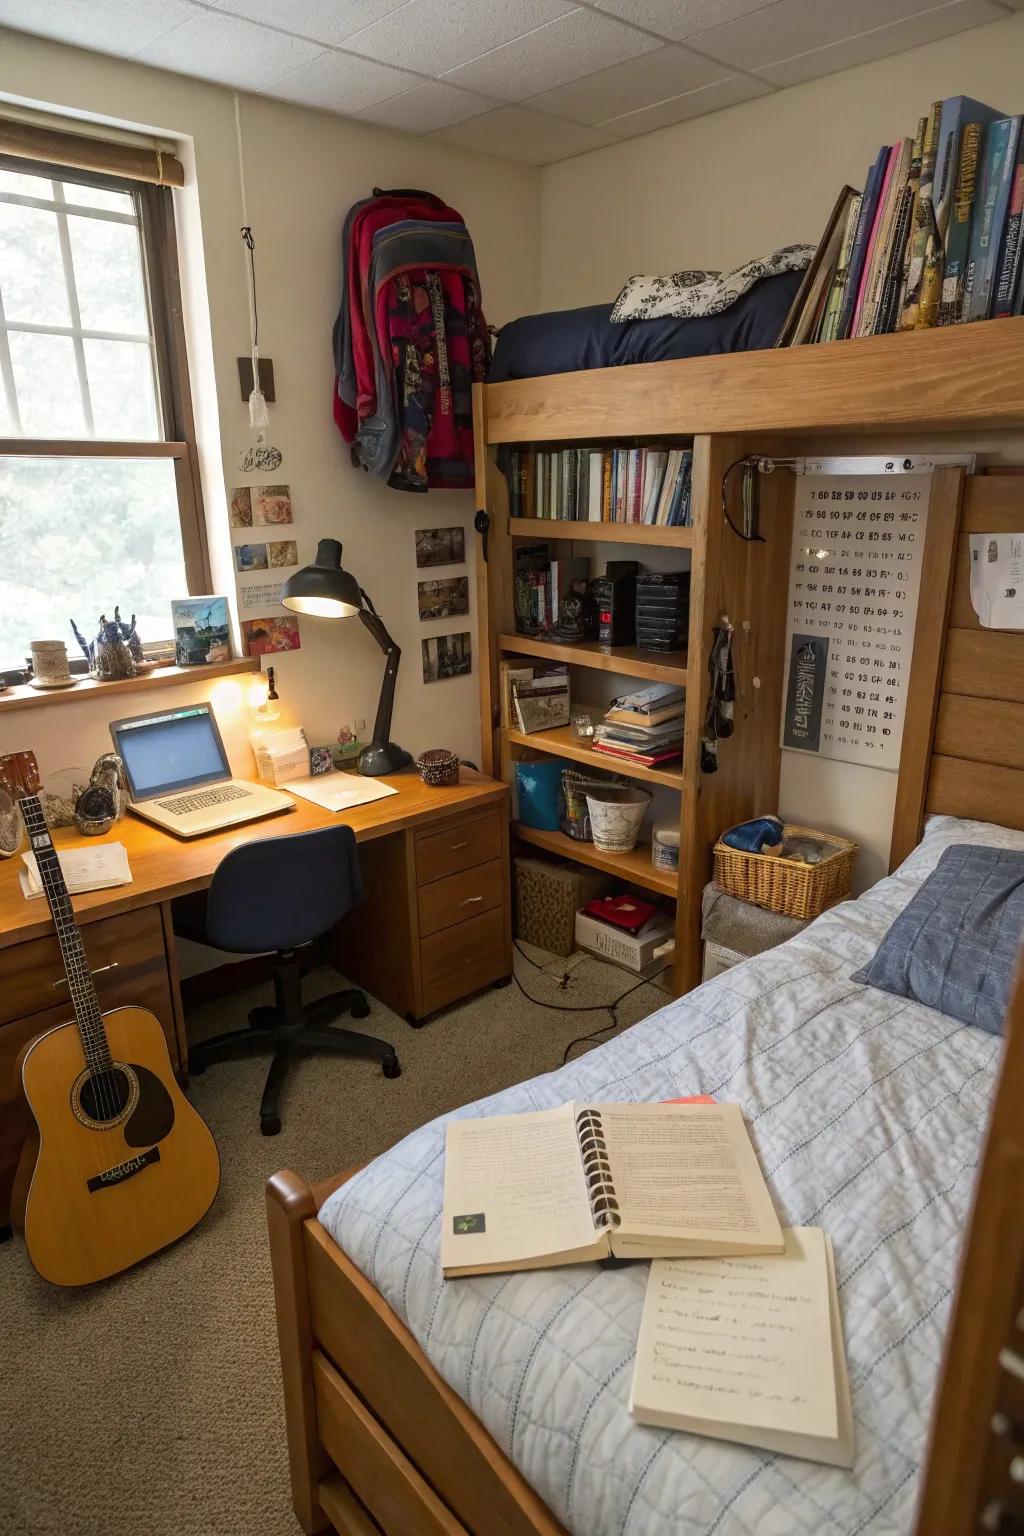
958	235
510	672
892	270
645	486
808	307
920	309
541	702
593	1181
887	219
956	112
749	1350
861	238
837	292
1009	290
995	178
922	168
648	706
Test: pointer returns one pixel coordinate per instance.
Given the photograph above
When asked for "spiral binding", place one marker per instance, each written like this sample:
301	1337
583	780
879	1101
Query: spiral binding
597	1171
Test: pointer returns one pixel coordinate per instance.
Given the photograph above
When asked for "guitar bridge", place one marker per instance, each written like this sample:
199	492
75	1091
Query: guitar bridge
122	1171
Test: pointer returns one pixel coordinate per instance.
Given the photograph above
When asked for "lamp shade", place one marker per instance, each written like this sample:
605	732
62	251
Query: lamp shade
324	588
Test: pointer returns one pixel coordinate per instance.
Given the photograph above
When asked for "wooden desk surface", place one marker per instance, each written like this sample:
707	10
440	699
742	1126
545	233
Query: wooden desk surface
164	866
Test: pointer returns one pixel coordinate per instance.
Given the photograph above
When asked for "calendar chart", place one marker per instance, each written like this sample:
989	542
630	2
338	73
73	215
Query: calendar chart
855	575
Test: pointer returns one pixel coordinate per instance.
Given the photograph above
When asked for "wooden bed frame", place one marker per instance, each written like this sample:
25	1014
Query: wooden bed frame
378	1443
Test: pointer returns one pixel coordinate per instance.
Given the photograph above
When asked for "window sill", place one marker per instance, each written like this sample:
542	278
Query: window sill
27	697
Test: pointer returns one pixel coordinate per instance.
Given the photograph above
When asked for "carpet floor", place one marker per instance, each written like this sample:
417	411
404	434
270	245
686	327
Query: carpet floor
150	1405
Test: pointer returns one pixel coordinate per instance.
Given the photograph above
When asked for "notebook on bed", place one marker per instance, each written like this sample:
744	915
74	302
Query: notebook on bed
594	1181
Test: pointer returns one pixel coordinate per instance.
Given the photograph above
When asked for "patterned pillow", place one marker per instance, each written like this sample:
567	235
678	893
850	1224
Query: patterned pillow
684	295
954	945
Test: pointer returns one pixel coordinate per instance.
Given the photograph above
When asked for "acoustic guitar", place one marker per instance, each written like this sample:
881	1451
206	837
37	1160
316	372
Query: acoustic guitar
120	1163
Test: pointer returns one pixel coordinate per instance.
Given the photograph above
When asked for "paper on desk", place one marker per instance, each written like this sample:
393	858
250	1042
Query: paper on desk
84	869
997	579
338	791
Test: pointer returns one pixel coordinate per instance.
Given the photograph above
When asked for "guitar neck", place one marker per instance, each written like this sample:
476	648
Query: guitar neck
81	986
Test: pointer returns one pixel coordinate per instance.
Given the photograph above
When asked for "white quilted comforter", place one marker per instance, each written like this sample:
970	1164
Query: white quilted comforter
866	1112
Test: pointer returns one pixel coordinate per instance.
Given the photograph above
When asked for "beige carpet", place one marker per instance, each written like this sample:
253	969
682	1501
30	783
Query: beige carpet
150	1405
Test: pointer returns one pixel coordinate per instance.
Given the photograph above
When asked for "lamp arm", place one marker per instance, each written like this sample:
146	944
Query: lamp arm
393	655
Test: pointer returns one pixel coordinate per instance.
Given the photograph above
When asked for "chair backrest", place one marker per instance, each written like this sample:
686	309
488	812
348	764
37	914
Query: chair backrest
283	891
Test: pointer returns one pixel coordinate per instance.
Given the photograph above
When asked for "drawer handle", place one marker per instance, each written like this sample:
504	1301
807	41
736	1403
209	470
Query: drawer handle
63	981
470	900
456	846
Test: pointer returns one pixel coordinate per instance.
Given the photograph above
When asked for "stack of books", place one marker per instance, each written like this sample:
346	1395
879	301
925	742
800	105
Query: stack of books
647	486
933	239
644	728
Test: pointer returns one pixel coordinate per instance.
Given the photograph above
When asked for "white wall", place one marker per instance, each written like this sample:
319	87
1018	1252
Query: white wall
741	182
303	170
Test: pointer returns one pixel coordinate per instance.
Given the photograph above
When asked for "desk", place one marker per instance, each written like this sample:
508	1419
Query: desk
434	926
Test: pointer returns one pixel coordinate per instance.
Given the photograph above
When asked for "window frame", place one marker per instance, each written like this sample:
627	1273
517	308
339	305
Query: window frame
155	212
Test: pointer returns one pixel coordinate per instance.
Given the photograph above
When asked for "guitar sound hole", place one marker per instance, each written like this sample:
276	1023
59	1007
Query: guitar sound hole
104	1095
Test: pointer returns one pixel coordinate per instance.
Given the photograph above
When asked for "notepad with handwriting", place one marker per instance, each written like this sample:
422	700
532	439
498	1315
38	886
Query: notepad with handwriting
593	1181
749	1350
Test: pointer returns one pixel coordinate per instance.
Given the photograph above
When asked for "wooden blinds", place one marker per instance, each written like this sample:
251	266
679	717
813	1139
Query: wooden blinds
27	141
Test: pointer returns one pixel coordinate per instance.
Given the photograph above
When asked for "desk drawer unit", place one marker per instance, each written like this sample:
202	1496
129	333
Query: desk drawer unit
436	922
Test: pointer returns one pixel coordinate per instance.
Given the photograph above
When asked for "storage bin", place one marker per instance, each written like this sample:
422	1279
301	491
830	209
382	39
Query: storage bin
548	894
788	886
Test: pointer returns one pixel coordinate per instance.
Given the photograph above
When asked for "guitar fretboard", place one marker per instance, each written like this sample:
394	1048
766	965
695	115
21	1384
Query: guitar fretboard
76	964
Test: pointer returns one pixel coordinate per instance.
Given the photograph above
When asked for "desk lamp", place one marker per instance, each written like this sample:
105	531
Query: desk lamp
326	590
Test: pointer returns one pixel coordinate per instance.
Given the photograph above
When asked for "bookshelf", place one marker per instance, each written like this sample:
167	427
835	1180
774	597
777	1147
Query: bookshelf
800	400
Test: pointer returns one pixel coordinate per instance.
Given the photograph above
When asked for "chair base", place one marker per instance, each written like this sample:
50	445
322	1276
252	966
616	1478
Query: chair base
314	1029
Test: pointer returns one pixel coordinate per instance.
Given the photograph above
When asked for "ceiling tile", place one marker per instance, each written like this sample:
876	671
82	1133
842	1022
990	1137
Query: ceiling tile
111	26
433	36
325	21
791	27
222	48
339	82
943	21
677	19
652	77
430	105
520	134
575	45
710	98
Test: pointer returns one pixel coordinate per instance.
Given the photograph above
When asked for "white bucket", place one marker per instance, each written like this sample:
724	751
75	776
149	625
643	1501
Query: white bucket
616	816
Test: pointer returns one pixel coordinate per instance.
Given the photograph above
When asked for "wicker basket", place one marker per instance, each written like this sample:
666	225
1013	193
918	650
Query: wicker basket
786	885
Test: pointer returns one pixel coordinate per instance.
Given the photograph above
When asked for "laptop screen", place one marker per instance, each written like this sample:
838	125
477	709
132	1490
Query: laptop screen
167	752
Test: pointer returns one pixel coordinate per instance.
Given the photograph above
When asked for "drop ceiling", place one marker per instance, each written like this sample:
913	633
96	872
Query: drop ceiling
533	80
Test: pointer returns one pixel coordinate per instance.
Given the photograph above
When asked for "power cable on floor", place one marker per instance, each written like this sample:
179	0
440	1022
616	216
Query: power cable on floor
610	1007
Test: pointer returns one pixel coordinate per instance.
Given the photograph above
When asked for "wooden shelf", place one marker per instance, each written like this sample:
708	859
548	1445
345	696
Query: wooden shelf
951	377
626	660
560	742
635	867
600	533
27	697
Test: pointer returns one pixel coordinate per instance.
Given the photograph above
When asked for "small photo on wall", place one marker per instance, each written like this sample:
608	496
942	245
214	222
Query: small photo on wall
240	507
272	505
446	656
250	557
443	599
266	637
283	552
440	546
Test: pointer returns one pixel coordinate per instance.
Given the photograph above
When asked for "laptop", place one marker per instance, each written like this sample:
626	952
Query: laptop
179	777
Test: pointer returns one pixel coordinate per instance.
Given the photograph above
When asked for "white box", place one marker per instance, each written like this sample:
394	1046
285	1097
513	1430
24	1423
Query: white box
633	950
718	959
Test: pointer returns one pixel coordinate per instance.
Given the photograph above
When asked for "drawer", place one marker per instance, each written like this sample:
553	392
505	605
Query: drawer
462	959
132	943
471	840
471	892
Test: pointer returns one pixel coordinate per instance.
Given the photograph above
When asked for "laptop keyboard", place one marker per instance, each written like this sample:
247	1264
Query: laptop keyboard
182	804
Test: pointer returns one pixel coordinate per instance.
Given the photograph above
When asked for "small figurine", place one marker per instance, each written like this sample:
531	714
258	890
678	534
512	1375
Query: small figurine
130	635
109	656
104	799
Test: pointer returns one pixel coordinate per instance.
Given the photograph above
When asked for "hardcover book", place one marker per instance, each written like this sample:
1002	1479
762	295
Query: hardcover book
865	224
998	160
1008	280
959	233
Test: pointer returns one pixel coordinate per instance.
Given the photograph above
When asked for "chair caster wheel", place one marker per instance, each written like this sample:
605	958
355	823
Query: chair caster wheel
360	1009
390	1067
270	1125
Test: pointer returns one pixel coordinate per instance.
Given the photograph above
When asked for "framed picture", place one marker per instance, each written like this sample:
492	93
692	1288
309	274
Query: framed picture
250	557
283	552
266	637
201	630
444	598
446	656
440	546
240	507
272	505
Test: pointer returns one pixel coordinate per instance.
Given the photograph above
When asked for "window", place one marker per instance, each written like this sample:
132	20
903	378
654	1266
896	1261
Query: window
99	497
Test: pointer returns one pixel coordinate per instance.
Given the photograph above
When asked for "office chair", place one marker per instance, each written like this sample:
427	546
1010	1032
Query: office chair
279	895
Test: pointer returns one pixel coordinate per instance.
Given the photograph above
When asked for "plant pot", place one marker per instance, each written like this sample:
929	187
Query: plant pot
616	815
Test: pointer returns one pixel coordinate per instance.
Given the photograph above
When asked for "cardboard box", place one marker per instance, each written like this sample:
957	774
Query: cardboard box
633	950
548	894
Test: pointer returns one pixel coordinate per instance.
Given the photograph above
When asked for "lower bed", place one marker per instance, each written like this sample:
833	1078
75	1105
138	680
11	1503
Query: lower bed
866	1112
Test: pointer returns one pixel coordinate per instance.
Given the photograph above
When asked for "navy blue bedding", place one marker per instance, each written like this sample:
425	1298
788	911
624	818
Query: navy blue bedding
569	339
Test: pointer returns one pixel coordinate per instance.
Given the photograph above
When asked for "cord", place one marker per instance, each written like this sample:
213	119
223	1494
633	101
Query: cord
610	1007
748	538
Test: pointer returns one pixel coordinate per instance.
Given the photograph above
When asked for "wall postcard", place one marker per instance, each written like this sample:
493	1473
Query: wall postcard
268	636
440	546
240	507
272	505
446	656
250	557
443	599
283	552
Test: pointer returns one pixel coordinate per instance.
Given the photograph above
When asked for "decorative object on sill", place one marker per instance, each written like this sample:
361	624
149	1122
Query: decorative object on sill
718	721
201	630
616	815
320	761
130	636
326	590
108	655
19	775
50	664
105	798
439	768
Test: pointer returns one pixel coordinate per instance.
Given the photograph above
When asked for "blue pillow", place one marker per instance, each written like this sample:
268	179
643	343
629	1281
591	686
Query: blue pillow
954	946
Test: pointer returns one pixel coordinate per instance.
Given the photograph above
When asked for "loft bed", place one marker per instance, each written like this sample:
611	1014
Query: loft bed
381	1439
